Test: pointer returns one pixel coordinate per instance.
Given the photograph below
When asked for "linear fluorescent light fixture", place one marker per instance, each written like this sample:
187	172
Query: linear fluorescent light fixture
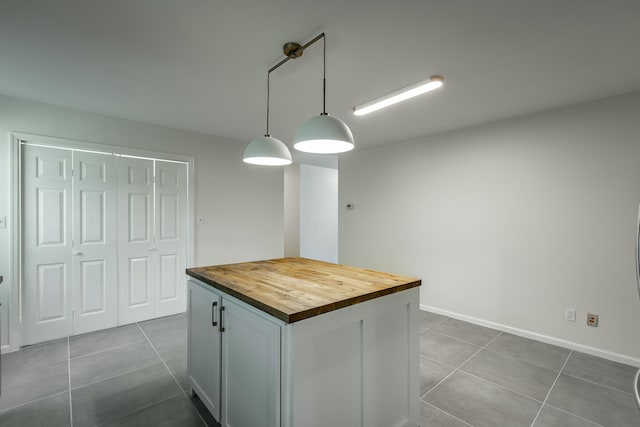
408	92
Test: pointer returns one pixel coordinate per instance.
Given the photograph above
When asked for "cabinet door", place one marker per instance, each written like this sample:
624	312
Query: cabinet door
204	346
250	366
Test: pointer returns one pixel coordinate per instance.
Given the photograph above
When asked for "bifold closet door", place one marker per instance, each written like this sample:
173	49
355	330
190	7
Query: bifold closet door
171	235
137	266
95	279
152	210
47	263
69	271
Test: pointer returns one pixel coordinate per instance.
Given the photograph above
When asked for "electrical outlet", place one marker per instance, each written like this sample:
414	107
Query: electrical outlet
592	320
570	314
200	220
3	222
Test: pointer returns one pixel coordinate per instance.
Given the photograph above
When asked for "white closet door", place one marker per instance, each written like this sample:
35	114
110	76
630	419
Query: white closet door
136	265
47	243
95	242
170	233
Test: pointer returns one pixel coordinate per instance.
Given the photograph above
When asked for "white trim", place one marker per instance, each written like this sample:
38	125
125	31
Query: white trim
49	141
609	355
14	277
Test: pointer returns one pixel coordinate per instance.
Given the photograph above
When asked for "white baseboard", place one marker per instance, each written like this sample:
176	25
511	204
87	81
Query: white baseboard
616	357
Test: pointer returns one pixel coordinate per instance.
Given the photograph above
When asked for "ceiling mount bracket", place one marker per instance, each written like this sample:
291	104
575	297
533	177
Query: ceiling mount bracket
292	50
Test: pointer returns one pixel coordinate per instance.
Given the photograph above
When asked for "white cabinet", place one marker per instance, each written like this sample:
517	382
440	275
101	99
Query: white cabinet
234	358
204	345
355	366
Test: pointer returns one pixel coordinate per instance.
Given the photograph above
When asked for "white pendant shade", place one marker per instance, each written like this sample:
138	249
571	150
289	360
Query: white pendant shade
323	134
267	151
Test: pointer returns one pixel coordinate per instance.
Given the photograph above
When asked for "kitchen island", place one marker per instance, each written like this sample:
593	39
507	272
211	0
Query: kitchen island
297	342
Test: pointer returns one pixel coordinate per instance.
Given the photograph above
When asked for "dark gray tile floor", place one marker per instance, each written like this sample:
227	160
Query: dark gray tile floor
480	377
136	375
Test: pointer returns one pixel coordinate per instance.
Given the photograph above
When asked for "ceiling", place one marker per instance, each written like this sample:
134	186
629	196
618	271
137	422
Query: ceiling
201	65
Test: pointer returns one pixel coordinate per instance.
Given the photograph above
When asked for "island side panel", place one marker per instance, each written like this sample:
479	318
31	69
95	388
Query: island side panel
358	366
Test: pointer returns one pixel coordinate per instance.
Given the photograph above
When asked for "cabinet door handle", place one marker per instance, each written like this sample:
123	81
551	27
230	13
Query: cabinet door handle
213	313
222	318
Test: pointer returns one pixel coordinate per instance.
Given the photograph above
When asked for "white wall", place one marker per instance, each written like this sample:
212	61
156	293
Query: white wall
311	212
319	213
292	210
509	223
242	204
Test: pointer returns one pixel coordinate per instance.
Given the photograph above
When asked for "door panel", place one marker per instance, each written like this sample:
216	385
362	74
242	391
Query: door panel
168	217
139	218
171	231
94	250
169	277
52	293
47	190
93	287
92	217
136	260
139	282
51	208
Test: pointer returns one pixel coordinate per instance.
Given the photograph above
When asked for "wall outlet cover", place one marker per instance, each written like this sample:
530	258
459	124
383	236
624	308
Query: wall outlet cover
592	320
570	314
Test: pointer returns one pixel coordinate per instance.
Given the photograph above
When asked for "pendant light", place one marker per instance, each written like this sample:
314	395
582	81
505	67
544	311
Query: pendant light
323	134
267	150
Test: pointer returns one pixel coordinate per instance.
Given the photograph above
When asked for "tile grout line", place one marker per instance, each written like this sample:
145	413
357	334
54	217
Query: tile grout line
10	408
171	373
463	341
574	415
598	384
110	377
499	385
433	326
551	389
460	365
106	349
445	412
502	353
437	361
138	410
69	375
453	372
160	357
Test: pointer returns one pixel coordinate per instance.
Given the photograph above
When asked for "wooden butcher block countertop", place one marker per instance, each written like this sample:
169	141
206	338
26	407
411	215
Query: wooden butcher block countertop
293	289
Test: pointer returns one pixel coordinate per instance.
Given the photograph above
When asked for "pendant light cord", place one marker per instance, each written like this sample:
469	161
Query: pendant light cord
268	75
324	72
324	75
